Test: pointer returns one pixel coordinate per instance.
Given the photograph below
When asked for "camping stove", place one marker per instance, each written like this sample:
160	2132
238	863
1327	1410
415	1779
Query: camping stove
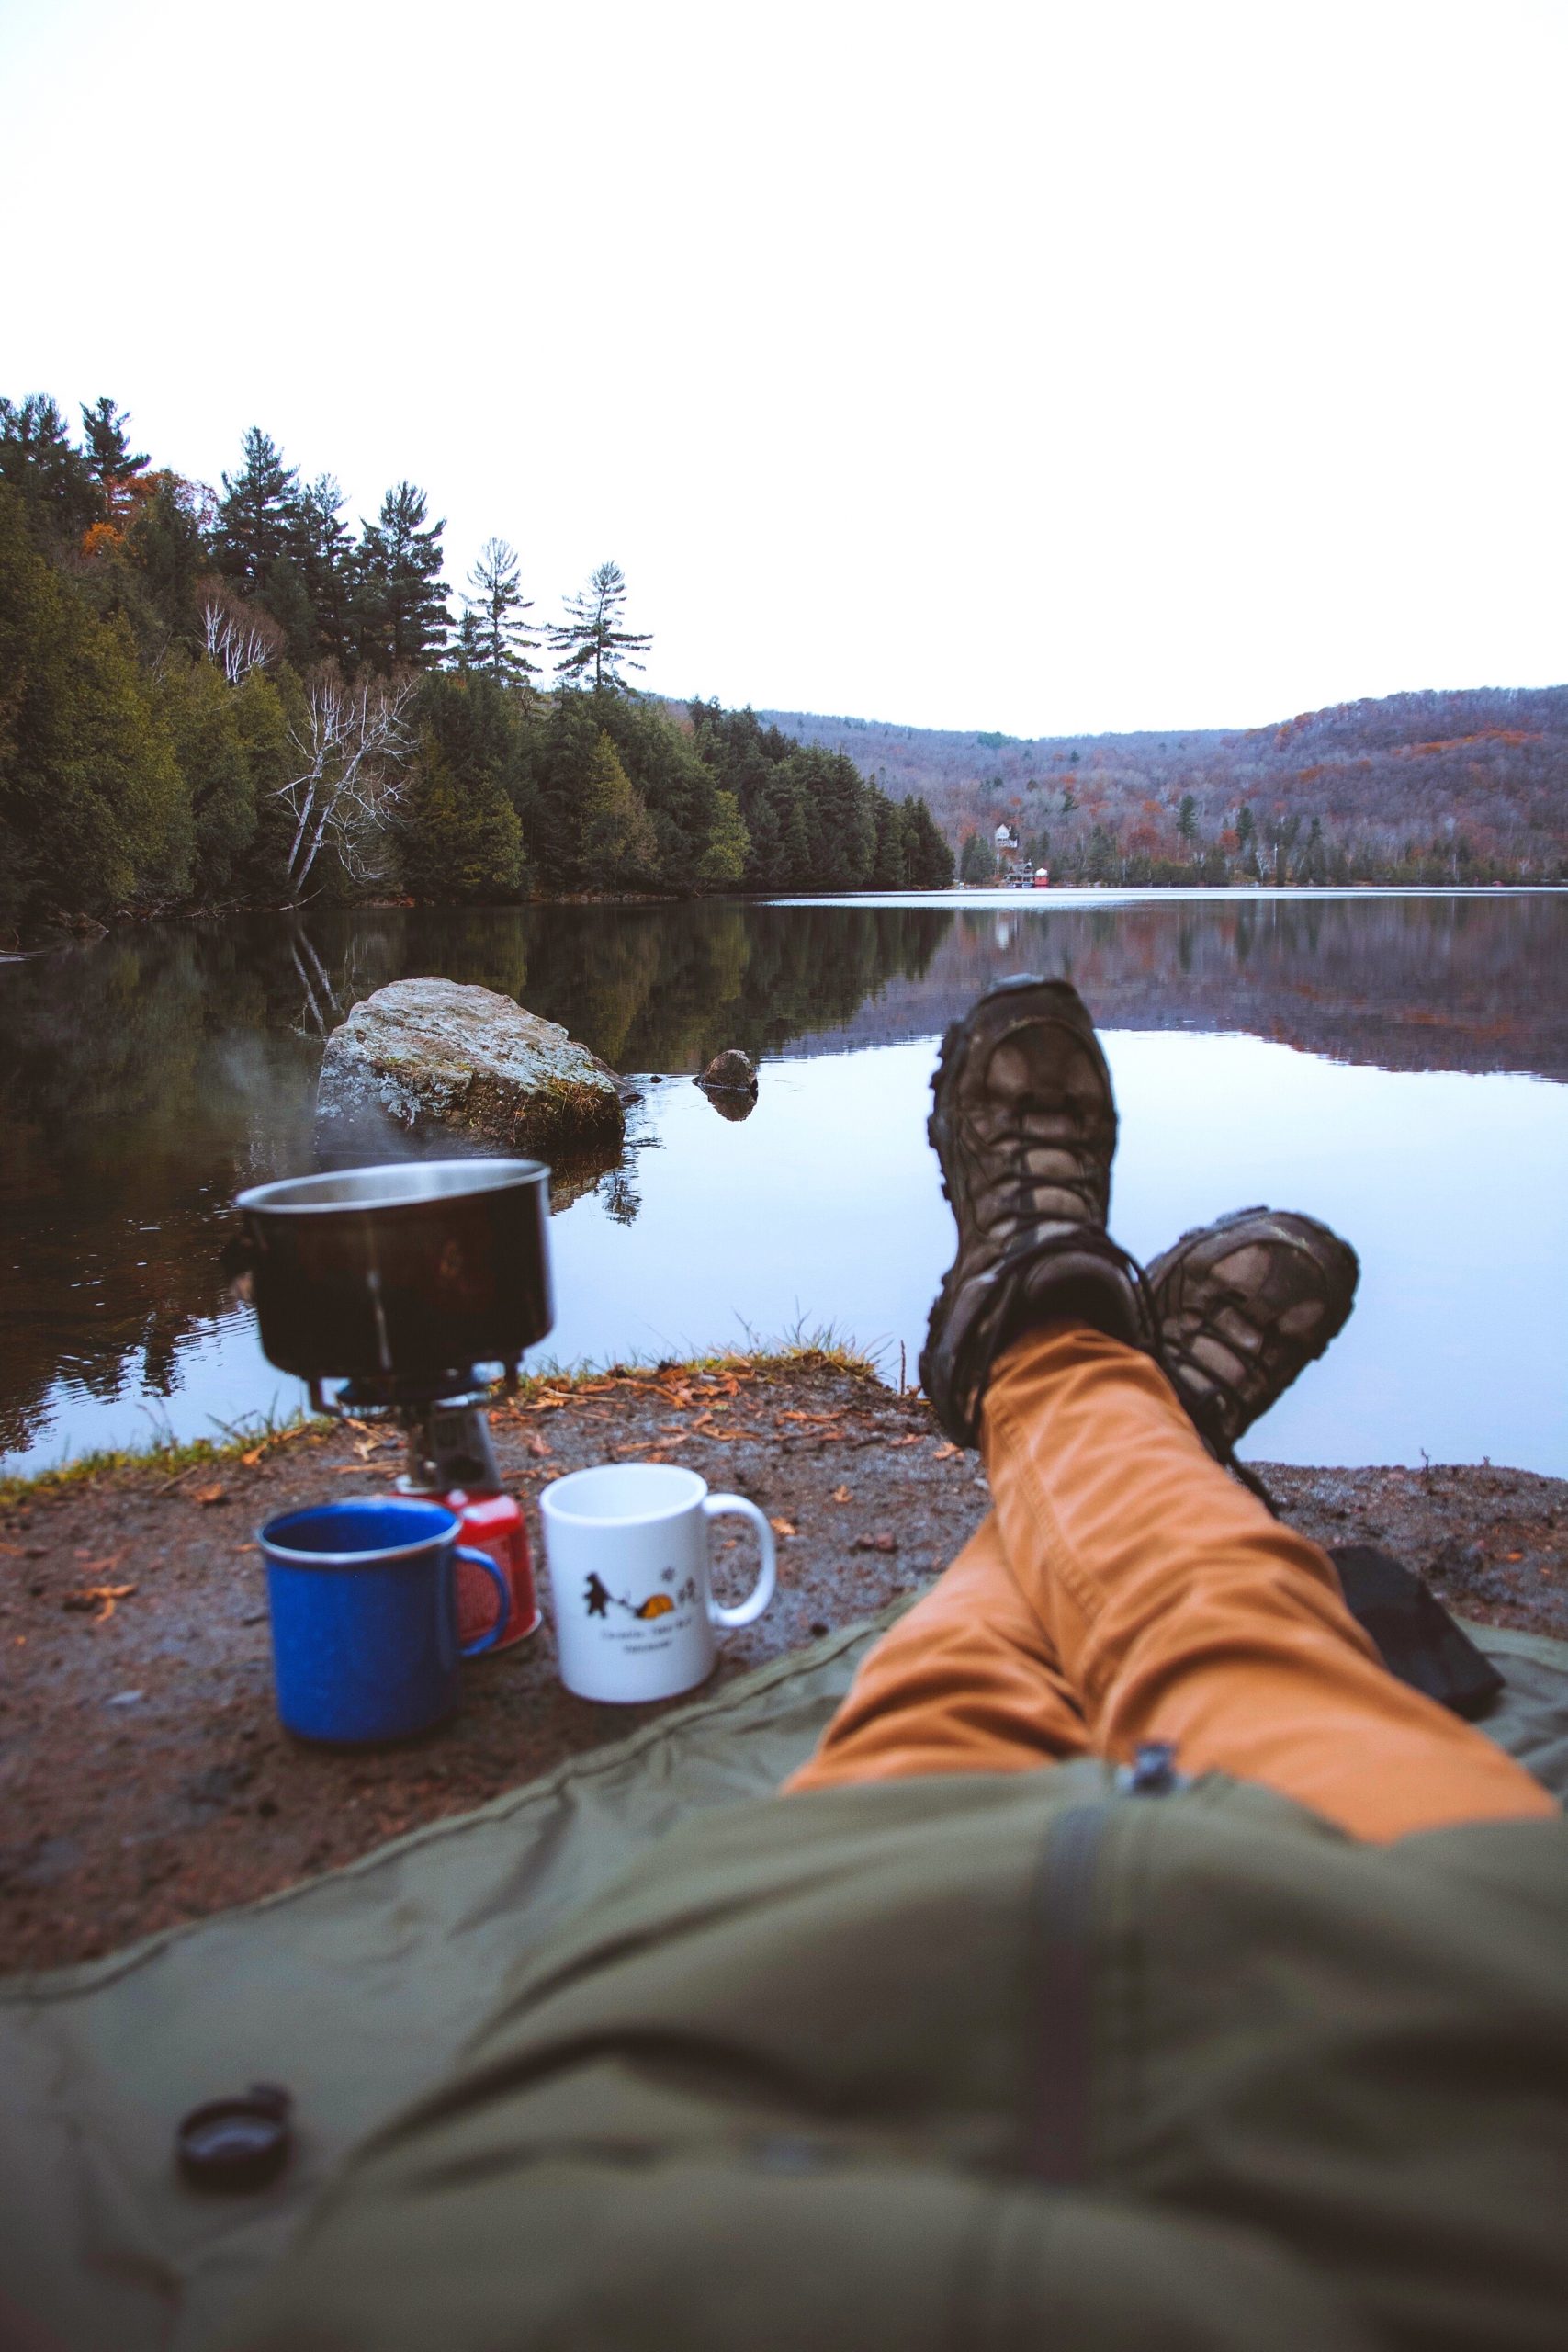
401	1282
450	1459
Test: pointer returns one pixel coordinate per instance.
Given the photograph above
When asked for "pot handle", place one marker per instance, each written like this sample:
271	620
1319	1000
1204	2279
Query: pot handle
492	1633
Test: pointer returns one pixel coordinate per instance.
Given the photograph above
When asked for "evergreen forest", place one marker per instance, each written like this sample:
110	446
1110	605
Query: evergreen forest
235	697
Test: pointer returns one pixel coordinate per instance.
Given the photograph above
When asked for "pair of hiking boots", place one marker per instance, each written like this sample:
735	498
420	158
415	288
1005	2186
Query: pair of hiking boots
1024	1125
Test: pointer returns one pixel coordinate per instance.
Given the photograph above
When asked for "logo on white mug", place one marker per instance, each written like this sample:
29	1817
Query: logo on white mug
599	1603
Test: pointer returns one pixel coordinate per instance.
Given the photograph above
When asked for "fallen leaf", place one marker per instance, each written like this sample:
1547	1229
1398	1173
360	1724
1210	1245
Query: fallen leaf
879	1543
254	1456
944	1452
782	1526
894	1443
101	1598
1514	1555
839	1495
539	1444
208	1496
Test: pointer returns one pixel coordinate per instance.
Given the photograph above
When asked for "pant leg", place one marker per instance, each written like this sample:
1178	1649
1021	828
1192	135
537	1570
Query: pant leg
1180	1610
965	1681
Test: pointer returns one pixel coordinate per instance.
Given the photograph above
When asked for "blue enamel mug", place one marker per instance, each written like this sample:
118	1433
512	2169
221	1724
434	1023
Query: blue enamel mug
364	1607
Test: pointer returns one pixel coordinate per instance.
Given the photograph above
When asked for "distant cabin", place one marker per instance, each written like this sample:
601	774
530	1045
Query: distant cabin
1010	865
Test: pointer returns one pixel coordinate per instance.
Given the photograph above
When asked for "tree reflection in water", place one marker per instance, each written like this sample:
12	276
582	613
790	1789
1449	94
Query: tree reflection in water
148	1077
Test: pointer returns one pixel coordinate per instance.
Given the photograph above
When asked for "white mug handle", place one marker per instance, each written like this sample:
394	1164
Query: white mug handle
757	1600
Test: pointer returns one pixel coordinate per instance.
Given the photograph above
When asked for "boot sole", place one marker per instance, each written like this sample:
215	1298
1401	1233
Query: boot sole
1334	1262
999	1010
996	1009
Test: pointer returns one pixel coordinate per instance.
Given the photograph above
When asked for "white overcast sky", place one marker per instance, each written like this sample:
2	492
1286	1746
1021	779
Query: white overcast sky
1053	368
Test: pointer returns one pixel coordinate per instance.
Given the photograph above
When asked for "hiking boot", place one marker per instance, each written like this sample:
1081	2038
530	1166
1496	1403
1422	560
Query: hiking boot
1024	1126
1242	1306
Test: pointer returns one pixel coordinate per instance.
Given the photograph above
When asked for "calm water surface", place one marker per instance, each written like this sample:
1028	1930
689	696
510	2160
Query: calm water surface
1397	1064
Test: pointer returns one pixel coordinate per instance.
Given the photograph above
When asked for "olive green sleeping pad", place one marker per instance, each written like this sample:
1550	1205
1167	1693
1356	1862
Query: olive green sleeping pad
965	2063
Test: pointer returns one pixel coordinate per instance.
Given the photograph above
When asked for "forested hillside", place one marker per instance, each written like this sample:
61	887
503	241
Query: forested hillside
235	697
1421	788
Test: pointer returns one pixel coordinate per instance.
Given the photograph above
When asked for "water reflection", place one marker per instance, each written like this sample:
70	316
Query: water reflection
148	1077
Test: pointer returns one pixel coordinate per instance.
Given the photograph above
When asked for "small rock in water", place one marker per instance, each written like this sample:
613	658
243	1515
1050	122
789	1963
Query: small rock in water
731	1072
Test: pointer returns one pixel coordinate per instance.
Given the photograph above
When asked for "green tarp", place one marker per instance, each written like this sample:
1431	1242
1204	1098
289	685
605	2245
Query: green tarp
356	1989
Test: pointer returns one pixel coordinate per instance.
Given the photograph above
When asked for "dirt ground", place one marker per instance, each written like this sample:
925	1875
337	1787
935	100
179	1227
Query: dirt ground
144	1780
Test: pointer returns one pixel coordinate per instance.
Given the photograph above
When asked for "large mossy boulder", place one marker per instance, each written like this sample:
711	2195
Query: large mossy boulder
433	1056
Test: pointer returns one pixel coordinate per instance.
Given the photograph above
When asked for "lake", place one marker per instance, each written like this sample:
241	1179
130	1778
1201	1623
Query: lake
1396	1063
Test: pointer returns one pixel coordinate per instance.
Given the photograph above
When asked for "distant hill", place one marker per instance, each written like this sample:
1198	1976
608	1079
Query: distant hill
1461	783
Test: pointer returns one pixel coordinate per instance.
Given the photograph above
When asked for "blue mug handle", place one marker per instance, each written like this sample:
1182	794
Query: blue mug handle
487	1641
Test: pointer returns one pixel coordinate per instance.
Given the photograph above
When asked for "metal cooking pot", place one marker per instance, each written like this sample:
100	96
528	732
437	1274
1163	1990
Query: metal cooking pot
404	1277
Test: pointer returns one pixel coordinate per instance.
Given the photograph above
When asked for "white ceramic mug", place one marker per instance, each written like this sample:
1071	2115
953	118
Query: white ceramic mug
627	1549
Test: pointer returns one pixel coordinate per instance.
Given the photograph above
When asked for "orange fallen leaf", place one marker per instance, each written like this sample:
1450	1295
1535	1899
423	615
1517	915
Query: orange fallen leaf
539	1443
782	1526
1514	1555
944	1452
208	1496
100	1599
254	1456
894	1443
840	1494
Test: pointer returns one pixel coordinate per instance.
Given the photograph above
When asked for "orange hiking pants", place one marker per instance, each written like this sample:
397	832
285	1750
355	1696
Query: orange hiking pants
1126	1588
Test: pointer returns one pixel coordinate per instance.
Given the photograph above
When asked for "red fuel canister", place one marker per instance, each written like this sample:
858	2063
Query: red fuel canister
493	1523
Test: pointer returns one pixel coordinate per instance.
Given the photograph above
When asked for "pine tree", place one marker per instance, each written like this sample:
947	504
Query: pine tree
723	862
200	711
257	513
461	837
466	654
617	846
40	461
591	647
400	605
928	857
1103	858
166	545
1314	865
325	555
110	459
93	808
1187	820
977	862
890	866
496	609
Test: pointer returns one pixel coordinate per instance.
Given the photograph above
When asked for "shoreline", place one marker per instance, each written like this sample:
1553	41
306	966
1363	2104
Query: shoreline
147	1782
52	937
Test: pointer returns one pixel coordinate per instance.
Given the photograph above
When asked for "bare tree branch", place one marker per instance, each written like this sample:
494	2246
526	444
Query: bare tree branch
352	743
